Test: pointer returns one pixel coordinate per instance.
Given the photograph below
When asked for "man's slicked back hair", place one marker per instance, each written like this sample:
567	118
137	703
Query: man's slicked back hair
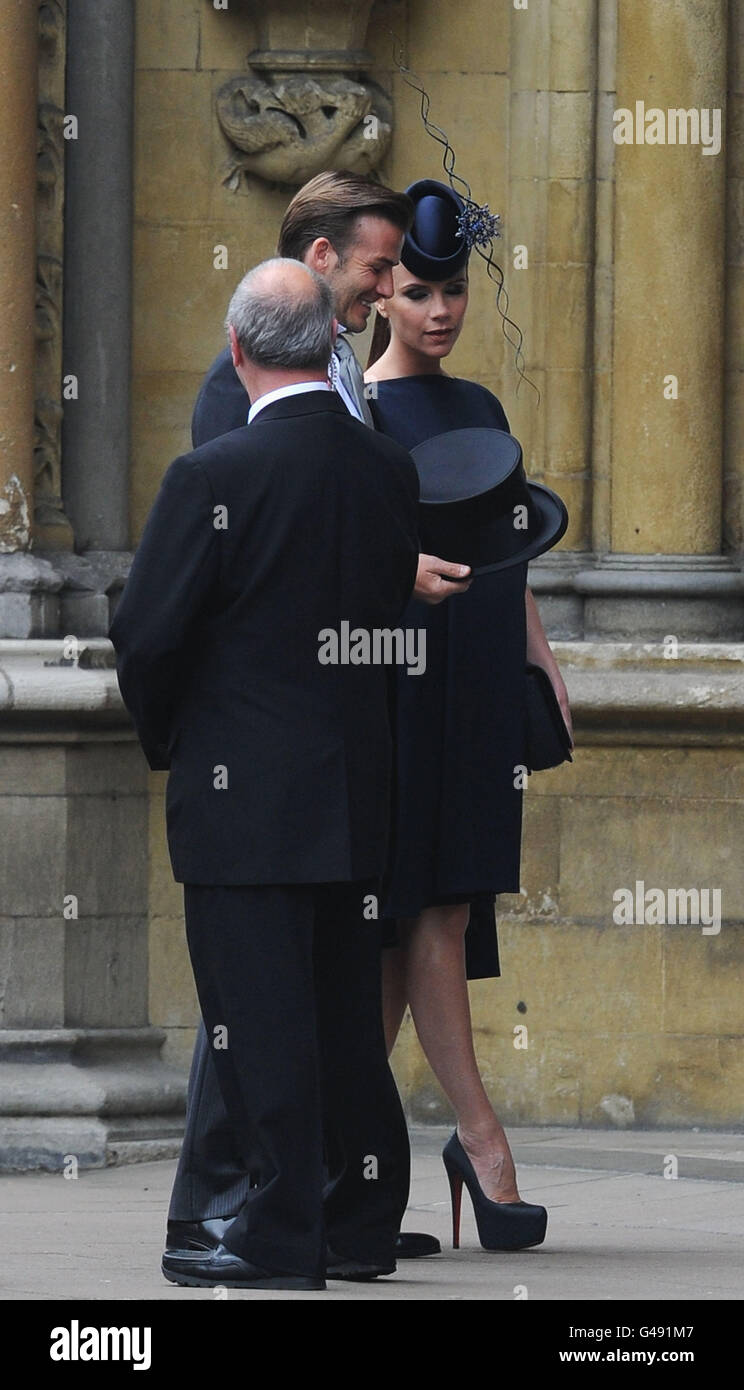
331	204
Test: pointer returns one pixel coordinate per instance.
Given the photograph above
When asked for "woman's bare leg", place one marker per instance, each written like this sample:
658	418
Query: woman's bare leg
438	996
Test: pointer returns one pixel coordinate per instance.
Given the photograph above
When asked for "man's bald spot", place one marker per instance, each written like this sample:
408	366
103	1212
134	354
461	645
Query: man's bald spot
281	316
284	278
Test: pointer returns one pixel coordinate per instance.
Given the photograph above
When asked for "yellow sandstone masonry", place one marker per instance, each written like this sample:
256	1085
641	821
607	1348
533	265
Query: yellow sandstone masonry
625	283
669	263
734	310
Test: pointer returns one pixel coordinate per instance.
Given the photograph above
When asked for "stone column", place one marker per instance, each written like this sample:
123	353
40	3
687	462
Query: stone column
98	251
18	38
28	586
553	73
733	488
604	277
665	573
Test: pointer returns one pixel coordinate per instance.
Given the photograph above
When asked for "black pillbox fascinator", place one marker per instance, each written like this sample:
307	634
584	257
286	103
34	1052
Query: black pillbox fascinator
435	248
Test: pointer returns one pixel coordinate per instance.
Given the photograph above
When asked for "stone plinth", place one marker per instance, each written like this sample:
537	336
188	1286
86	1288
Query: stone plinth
80	1066
95	1095
693	597
48	594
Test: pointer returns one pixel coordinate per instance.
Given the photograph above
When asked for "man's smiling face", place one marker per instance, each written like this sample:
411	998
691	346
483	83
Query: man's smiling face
366	271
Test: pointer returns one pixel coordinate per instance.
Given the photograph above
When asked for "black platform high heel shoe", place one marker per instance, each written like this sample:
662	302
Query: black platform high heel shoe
501	1225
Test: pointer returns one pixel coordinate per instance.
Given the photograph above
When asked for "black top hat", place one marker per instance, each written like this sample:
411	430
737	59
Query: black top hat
435	249
477	507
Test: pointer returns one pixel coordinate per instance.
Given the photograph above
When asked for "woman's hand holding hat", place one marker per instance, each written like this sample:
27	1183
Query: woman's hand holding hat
439	579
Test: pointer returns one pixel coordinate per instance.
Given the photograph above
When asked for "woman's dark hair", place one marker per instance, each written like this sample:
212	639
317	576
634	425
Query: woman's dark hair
380	339
331	204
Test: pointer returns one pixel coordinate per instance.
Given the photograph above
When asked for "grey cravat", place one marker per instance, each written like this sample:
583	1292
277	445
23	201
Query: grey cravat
350	375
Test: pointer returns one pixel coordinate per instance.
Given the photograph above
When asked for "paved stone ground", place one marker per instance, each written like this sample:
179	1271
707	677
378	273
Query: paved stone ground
618	1229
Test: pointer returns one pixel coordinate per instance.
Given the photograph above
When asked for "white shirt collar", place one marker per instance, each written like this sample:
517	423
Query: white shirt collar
295	390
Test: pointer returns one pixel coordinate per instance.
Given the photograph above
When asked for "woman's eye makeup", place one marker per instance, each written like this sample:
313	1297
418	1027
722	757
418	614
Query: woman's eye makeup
417	294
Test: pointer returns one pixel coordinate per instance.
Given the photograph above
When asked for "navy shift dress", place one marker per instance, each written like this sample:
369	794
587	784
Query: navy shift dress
459	726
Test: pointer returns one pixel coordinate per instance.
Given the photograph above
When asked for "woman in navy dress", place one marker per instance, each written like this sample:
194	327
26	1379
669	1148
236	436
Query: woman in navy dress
459	726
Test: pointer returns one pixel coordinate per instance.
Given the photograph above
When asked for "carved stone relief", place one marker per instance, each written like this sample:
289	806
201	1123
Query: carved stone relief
305	105
295	126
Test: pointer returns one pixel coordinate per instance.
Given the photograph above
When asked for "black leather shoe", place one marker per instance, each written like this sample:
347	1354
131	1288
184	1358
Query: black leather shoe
344	1267
221	1266
412	1245
196	1235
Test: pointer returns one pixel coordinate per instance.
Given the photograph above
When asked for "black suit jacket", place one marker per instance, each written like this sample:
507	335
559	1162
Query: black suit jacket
280	766
221	404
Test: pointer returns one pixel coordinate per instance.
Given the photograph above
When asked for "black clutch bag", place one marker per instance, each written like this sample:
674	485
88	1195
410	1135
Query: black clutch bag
548	739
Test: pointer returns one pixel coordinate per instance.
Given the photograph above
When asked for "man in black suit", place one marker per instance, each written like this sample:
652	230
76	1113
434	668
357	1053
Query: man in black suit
278	796
350	230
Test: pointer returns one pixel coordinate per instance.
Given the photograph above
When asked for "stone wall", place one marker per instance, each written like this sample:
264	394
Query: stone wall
626	1024
186	50
632	277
